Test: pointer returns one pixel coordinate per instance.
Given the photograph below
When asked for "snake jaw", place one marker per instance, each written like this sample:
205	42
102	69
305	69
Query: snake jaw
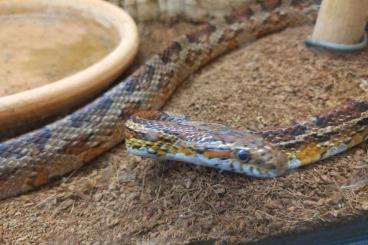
270	162
264	161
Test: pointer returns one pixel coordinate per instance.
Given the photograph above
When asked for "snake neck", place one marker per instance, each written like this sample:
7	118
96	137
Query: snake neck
265	153
322	136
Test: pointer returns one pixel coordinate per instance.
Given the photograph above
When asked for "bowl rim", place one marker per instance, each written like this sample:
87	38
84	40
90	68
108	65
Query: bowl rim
51	99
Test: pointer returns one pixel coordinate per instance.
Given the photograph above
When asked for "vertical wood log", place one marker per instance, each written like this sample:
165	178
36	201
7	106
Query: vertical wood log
341	21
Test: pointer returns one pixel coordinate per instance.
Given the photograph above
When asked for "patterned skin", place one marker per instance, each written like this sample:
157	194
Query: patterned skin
166	136
35	158
266	153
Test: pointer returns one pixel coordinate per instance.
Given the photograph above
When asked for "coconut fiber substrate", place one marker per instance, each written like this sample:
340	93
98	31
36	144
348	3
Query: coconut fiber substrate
124	199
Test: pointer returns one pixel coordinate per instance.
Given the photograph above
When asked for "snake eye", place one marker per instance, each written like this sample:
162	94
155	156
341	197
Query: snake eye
243	155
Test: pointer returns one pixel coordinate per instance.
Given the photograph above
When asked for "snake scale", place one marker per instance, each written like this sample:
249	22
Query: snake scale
33	159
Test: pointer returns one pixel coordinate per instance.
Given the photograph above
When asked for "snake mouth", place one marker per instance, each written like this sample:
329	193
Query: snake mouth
223	160
219	163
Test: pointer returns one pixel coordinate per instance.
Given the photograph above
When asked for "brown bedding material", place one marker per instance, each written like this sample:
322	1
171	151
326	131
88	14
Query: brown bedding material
126	199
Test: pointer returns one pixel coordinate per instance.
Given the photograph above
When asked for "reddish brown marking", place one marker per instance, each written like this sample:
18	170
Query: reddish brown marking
217	154
203	32
169	54
78	148
229	37
129	110
348	111
94	152
41	177
165	79
309	153
242	13
232	44
193	57
274	19
270	4
283	134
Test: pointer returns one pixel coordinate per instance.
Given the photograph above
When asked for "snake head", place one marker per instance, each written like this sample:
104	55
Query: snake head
164	136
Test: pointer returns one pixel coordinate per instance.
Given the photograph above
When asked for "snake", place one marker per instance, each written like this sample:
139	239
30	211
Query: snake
130	111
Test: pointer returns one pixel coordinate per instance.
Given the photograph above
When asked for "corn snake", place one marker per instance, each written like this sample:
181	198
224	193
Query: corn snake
35	158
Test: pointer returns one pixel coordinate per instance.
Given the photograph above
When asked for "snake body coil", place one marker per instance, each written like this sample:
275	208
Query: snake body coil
35	158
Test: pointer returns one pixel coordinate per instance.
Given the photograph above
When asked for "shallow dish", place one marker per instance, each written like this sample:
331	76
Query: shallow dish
61	53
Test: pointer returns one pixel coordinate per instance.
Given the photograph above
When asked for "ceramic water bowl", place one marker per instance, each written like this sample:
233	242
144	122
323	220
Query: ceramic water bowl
56	55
